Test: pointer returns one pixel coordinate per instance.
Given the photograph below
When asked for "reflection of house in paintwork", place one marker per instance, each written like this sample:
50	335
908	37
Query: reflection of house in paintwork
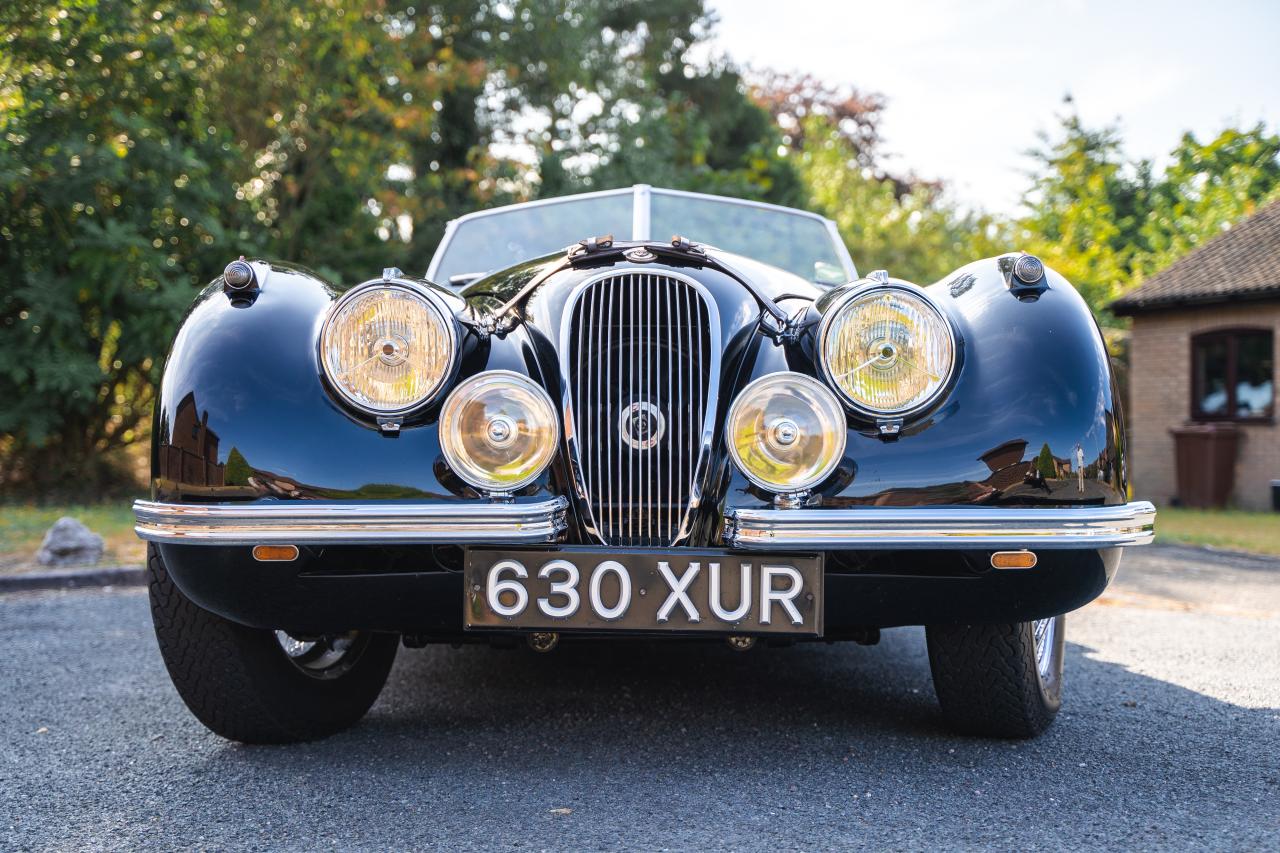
189	451
1006	463
1010	468
1049	466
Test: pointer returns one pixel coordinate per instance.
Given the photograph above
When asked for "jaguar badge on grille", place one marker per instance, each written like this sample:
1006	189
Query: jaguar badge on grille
642	425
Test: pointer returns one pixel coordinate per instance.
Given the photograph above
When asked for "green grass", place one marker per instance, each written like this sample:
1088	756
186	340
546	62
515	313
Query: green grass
22	528
1235	529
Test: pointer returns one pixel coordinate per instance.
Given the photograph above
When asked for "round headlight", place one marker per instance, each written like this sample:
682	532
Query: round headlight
887	351
387	348
786	432
498	430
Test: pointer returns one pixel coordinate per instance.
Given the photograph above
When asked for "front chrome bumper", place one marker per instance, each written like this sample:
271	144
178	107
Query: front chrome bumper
941	527
375	522
869	528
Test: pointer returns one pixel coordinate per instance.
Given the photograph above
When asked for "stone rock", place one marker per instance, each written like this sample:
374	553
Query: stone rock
69	543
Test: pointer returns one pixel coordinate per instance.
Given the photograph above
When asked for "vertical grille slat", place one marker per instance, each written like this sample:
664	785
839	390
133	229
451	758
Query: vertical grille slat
631	384
582	388
640	366
611	453
666	308
652	506
690	404
683	394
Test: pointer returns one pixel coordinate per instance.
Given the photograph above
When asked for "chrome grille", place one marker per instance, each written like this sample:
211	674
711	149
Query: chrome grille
641	365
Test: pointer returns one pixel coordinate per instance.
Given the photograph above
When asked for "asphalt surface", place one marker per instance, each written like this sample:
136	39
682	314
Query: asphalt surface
1169	738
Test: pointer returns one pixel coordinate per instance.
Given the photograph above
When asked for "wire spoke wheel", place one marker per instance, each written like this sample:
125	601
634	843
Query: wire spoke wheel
323	657
1044	632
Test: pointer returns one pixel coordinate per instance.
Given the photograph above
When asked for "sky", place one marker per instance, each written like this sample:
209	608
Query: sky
970	84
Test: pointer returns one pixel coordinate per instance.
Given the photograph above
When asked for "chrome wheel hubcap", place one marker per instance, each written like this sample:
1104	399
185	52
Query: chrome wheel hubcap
1044	634
318	656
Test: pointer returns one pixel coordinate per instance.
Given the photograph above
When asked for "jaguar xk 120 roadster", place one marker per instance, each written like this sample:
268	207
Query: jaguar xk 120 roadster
726	434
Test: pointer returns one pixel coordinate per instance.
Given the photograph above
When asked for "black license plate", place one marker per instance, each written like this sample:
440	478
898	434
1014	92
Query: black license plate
644	591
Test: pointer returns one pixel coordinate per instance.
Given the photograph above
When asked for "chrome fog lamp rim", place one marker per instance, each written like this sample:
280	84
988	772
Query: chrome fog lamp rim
857	407
500	429
434	303
785	432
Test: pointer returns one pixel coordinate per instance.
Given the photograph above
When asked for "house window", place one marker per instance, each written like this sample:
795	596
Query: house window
1232	375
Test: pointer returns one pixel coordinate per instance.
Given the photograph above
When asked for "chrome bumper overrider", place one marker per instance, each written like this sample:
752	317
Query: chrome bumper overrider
307	522
941	527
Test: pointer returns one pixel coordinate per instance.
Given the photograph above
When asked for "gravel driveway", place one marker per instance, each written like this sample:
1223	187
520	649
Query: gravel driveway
1169	737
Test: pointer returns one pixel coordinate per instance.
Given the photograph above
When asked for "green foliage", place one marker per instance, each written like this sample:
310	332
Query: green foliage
620	105
109	170
1105	222
914	234
142	146
1045	464
1100	219
1086	209
1207	188
701	133
237	471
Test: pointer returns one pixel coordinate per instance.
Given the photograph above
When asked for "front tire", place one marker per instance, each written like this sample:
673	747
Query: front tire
998	680
258	686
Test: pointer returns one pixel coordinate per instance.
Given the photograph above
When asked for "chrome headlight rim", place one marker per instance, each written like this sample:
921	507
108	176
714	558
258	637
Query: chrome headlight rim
434	303
859	409
460	470
813	480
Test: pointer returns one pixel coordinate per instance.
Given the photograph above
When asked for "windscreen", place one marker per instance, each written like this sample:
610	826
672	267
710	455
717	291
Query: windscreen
790	240
504	238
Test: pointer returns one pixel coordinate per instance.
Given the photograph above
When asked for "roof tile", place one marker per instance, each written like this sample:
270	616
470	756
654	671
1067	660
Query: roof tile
1241	263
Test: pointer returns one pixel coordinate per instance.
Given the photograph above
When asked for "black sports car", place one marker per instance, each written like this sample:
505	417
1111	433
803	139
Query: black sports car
726	434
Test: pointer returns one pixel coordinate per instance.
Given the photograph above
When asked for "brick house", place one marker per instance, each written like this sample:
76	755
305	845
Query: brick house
1202	355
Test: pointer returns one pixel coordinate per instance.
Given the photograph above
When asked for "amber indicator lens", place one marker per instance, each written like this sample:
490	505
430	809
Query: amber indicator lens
275	553
1013	560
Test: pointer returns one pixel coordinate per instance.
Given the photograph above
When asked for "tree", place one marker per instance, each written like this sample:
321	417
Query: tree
1105	221
142	146
1206	188
1045	464
792	99
700	132
621	104
915	235
1086	209
109	164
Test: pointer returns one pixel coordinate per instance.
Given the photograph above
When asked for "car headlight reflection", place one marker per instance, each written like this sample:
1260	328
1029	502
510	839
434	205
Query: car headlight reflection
786	432
888	351
387	348
498	430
